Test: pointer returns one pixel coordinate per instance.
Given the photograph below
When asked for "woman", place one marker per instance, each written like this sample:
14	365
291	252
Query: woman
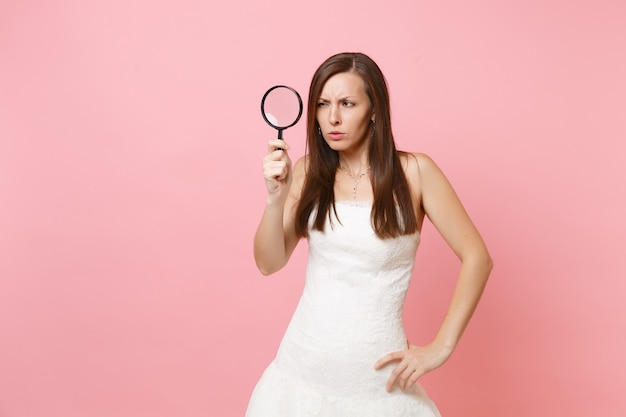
361	204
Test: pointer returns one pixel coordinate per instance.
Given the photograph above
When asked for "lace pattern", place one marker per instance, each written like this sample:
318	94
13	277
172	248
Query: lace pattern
349	316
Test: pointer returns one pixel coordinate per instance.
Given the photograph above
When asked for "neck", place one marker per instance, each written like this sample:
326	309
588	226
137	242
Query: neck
354	167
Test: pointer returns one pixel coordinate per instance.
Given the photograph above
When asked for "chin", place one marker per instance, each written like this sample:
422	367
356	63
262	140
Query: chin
334	145
343	145
339	145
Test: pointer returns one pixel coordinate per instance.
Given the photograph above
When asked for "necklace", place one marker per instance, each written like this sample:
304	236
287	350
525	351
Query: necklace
356	179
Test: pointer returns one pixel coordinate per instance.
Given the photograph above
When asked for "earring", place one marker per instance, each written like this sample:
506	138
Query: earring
319	130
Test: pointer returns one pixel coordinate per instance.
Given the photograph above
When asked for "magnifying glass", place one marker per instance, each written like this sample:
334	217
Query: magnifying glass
281	107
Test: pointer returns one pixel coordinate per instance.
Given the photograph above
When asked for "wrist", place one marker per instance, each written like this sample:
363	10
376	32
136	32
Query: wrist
444	346
274	200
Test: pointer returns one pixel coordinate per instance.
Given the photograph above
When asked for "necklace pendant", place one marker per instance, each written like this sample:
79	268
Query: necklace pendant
356	179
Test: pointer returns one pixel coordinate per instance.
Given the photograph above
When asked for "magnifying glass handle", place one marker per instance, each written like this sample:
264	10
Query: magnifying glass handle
280	136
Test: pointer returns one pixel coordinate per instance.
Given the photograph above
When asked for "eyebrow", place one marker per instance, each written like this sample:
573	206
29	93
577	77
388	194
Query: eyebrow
341	99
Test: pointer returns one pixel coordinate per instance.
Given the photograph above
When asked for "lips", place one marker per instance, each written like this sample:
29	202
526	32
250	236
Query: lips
334	135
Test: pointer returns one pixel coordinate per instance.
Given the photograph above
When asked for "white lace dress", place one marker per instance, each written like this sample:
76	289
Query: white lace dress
349	316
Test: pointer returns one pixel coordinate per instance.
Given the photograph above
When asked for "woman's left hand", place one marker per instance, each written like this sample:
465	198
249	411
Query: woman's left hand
415	361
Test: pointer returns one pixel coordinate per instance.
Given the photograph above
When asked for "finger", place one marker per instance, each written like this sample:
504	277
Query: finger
275	155
277	170
404	377
274	144
413	379
393	378
271	163
390	357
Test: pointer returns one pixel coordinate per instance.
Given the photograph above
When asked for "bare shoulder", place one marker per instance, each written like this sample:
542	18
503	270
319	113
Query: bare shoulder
417	165
416	162
300	169
299	174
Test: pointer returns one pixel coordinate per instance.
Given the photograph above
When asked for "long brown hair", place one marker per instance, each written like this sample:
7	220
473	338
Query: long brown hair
393	213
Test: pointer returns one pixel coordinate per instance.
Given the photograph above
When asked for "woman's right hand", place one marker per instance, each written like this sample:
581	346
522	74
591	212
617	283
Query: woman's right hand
275	238
277	170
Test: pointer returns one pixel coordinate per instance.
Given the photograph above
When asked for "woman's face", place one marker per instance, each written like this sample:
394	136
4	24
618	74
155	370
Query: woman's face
344	113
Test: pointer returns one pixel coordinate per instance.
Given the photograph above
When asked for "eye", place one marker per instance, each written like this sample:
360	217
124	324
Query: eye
322	104
348	103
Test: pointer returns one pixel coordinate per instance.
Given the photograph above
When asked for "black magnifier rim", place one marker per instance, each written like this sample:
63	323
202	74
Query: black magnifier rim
263	106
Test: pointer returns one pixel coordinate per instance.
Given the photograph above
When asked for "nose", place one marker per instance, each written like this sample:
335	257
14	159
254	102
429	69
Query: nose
333	116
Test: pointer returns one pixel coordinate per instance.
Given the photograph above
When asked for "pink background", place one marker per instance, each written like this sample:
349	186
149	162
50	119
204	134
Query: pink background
130	189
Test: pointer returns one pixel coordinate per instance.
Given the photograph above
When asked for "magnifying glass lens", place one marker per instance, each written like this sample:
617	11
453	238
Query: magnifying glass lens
281	107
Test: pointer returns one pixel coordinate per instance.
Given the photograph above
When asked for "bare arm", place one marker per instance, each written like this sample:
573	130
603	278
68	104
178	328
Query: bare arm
444	209
275	238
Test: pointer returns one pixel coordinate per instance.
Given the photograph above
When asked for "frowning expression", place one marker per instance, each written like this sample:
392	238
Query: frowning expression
344	112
